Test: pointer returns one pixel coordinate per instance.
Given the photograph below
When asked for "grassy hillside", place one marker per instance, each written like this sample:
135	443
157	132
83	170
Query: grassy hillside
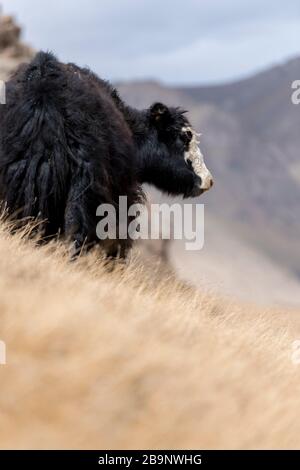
134	359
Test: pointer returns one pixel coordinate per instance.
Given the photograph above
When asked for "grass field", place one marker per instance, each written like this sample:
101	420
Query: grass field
134	359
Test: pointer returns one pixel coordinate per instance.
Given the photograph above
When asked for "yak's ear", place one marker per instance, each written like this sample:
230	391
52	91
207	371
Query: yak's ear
159	115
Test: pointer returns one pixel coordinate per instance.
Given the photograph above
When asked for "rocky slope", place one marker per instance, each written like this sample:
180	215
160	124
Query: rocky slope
12	50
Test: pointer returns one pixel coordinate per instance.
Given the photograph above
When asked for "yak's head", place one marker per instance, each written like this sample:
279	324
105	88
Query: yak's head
179	162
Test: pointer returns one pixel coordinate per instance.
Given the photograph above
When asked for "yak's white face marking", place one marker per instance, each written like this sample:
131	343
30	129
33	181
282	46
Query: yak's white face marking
195	156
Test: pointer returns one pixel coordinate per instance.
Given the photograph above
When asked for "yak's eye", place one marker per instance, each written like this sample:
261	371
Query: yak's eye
189	135
186	137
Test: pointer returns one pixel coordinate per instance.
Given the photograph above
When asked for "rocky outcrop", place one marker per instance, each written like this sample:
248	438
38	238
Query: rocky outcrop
12	49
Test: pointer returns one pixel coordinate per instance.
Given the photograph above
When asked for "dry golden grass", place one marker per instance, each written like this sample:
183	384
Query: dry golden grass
134	359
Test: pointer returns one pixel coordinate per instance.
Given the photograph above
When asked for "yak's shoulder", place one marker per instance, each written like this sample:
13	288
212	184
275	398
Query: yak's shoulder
99	84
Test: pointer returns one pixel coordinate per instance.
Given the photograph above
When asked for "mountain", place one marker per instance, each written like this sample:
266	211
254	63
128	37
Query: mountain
12	49
251	140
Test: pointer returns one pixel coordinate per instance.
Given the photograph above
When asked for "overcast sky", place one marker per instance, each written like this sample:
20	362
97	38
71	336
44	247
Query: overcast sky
176	41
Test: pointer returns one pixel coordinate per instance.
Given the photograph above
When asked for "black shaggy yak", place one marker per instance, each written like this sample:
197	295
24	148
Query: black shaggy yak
68	143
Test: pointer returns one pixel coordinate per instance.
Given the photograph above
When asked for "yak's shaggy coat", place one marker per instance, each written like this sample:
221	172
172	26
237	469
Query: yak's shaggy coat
68	144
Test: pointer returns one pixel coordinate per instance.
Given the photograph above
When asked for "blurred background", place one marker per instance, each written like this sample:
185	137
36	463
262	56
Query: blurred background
231	64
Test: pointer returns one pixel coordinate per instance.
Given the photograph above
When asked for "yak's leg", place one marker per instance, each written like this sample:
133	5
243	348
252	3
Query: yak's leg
81	221
78	221
117	249
80	228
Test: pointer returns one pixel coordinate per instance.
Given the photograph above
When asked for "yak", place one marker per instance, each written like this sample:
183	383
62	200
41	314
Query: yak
69	143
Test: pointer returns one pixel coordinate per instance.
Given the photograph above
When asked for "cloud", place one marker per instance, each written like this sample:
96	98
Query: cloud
190	41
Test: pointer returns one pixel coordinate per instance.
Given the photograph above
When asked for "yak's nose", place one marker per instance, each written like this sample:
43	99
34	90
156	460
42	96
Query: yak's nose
208	184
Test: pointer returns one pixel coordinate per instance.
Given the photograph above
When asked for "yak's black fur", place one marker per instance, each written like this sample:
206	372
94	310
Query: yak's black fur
68	143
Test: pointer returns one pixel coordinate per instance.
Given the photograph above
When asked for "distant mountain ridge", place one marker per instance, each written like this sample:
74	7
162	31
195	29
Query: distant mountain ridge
251	139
